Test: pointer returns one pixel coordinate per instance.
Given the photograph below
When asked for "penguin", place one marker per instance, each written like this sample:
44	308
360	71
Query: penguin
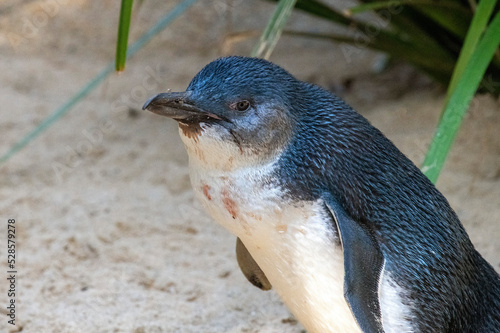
326	210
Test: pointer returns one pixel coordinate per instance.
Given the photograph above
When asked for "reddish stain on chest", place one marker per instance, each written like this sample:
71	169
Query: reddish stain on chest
229	203
206	191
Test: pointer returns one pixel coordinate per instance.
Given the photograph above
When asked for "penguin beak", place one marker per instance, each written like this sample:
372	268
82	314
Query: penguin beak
178	106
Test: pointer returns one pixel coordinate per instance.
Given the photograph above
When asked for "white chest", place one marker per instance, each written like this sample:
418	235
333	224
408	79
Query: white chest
292	244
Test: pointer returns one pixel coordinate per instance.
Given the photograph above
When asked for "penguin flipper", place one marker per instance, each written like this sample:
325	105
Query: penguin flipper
250	268
363	263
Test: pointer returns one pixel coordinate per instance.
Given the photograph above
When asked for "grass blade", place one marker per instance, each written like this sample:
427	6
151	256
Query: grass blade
477	26
391	3
123	29
319	9
272	33
459	100
455	19
403	40
89	87
315	35
433	61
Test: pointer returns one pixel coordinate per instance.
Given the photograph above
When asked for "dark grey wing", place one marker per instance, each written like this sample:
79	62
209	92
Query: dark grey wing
250	268
363	262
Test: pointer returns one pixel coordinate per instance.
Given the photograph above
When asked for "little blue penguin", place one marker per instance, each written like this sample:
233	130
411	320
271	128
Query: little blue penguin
326	210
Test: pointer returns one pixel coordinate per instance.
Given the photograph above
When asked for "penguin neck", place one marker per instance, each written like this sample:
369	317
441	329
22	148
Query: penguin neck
214	153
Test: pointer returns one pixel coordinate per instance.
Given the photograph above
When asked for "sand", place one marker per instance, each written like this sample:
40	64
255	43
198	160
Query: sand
109	236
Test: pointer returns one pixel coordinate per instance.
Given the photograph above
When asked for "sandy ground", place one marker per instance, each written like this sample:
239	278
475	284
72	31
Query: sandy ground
109	236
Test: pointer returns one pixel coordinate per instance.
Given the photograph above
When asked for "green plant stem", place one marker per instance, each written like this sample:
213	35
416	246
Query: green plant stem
435	63
407	42
391	3
66	107
477	26
272	33
123	29
460	97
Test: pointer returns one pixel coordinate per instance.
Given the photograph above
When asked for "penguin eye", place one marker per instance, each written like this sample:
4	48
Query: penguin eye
241	105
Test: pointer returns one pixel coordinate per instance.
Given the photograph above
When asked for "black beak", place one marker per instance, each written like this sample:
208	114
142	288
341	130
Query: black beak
178	106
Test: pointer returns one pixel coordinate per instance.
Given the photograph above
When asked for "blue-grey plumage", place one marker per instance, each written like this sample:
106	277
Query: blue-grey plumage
305	181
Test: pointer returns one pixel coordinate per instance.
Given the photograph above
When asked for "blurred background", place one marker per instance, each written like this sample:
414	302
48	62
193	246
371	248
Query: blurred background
109	236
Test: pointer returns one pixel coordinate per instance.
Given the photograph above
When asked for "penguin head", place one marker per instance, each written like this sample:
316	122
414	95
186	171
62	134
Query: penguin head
234	113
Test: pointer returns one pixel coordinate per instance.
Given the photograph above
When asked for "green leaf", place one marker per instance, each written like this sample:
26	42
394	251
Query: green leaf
321	10
457	104
272	33
402	39
477	26
159	26
454	17
433	61
450	5
123	29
